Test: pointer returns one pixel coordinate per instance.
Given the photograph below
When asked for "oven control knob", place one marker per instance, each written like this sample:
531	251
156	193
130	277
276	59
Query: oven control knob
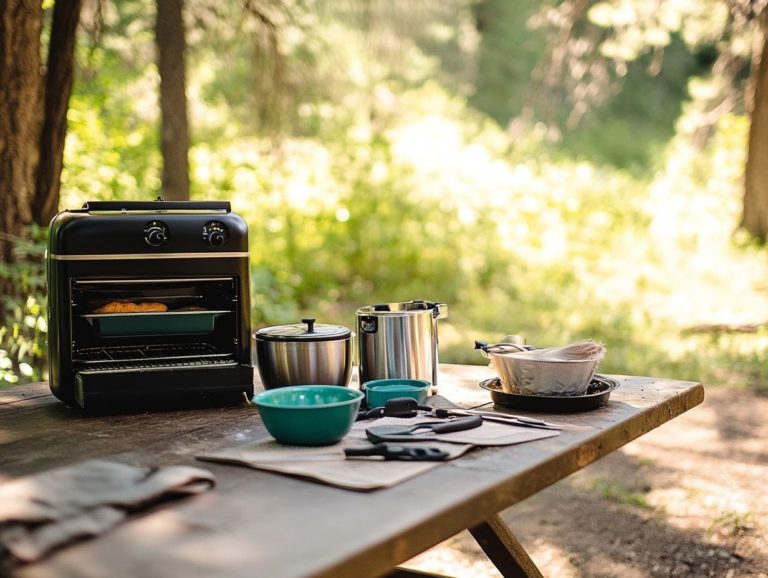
156	234
215	234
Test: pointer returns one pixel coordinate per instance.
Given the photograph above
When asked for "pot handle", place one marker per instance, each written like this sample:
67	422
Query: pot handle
310	325
482	346
439	310
486	349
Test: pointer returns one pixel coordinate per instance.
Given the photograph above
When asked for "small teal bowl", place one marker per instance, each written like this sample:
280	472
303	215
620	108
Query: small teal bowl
379	391
308	415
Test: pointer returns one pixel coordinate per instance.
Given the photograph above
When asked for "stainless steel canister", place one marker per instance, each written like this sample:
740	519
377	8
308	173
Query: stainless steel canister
399	340
308	353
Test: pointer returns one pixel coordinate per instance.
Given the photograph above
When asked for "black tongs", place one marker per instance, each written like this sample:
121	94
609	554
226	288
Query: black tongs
396	407
518	420
421	431
403	453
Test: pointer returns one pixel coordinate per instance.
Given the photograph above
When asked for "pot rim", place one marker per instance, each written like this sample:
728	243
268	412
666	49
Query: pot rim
294	339
336	333
264	398
433	308
517	357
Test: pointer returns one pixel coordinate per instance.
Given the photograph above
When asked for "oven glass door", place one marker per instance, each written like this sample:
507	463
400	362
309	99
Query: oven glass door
140	323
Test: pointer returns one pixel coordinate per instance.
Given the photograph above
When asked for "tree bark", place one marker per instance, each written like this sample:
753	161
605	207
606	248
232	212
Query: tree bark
20	82
171	48
58	87
755	211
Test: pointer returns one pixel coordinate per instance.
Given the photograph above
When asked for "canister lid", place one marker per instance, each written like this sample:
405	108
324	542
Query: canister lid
405	308
307	330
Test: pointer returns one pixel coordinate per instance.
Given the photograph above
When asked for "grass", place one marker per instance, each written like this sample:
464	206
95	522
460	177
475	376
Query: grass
616	492
732	524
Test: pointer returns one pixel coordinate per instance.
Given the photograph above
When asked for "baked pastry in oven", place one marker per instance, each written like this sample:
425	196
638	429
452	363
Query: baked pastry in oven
131	307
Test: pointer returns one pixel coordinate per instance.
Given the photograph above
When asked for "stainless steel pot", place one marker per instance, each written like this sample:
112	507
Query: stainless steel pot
399	340
308	353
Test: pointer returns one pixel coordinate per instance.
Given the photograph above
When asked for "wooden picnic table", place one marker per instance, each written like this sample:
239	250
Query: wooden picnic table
257	523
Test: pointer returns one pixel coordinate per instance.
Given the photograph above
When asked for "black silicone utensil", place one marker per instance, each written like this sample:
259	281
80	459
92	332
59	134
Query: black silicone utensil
396	407
421	431
518	420
403	453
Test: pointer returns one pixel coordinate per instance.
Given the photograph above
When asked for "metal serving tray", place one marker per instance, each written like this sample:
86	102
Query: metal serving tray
153	323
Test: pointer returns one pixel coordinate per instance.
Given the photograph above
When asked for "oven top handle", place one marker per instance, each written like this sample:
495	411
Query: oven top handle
157	206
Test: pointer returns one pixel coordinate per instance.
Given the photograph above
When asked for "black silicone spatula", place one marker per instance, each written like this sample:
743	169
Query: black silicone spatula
404	453
421	431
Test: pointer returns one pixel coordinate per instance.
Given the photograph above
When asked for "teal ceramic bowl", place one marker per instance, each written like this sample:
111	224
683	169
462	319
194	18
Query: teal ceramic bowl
379	391
308	415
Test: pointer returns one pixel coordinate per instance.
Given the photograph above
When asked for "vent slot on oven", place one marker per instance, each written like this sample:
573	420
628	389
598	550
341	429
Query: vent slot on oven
154	323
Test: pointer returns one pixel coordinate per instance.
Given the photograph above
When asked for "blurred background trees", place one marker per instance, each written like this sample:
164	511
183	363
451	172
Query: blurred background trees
33	110
558	169
170	38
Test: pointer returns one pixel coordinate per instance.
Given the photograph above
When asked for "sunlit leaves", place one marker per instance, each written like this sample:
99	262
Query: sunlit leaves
23	339
365	174
636	27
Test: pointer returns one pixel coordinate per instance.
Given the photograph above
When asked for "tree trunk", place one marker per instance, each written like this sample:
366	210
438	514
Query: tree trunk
171	47
755	212
20	81
58	87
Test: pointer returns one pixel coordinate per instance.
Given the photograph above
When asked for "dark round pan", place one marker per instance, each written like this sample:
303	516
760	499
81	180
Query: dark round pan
597	395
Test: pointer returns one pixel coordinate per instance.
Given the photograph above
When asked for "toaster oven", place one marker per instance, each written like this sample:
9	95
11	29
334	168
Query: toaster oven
149	302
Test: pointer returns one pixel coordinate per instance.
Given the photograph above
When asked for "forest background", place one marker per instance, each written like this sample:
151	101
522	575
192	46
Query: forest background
557	170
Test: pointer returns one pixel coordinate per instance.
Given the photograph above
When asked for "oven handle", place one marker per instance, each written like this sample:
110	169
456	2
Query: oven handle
157	206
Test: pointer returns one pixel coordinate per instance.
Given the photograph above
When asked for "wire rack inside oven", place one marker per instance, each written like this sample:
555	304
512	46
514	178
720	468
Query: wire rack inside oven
151	356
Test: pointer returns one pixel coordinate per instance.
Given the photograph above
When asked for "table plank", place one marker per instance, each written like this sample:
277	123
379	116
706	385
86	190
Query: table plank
258	523
25	392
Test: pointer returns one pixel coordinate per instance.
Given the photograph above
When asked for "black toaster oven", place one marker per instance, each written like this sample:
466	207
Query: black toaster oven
149	302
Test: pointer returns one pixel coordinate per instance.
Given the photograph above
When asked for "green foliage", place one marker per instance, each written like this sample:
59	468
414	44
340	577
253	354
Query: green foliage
625	114
438	206
631	129
372	166
112	146
23	329
504	83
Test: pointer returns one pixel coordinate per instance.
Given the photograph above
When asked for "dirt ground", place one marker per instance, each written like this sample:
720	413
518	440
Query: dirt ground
687	499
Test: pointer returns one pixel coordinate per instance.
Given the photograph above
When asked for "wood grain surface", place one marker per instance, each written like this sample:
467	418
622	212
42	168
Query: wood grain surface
262	524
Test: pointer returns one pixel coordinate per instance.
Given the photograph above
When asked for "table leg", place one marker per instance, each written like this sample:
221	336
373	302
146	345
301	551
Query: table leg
504	550
501	547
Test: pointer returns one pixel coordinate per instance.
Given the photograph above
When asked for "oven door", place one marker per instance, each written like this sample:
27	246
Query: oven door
143	337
